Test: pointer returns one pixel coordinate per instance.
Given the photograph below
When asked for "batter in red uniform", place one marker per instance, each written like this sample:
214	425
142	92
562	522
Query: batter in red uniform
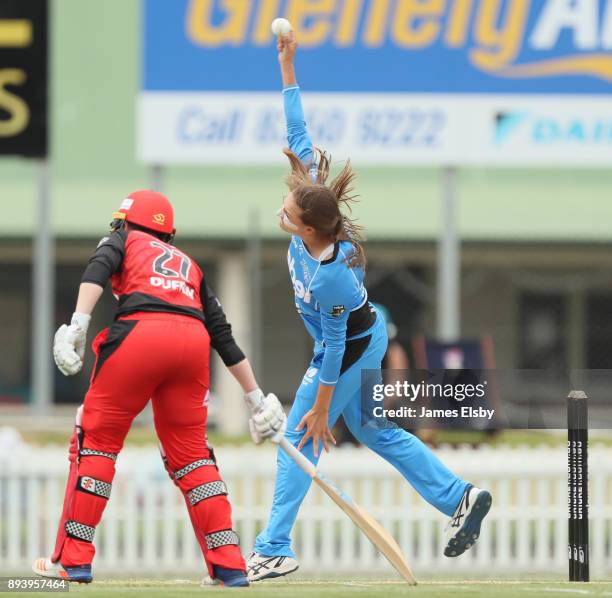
158	349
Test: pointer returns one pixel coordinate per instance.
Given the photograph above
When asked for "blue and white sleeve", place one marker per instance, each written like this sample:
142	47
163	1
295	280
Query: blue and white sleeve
333	297
297	134
333	325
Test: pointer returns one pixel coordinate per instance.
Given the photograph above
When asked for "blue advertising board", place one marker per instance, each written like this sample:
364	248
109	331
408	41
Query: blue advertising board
456	46
430	51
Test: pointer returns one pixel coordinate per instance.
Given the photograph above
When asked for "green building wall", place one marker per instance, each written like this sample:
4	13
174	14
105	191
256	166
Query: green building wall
95	80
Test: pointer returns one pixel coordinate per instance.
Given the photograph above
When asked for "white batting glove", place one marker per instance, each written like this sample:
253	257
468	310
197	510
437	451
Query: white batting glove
268	419
69	344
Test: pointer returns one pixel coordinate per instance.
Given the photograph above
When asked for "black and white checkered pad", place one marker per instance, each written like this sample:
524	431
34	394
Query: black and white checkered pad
80	531
205	491
94	486
223	538
189	468
95	453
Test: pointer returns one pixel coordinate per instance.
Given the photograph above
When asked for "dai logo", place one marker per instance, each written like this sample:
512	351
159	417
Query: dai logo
539	129
506	123
505	38
159	219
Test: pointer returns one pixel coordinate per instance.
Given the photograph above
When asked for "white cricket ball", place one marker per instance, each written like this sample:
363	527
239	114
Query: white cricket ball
281	26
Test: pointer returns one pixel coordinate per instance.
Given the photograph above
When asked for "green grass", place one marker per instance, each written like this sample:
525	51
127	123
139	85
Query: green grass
364	588
145	435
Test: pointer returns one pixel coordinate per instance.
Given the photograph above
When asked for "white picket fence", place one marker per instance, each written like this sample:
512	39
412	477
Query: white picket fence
145	527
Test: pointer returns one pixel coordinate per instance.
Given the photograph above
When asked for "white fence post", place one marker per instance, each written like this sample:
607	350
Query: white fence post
146	527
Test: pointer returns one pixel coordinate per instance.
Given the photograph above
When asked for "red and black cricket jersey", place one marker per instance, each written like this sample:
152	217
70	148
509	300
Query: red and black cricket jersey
149	275
155	276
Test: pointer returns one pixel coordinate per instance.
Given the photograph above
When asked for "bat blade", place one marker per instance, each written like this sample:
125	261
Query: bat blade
376	533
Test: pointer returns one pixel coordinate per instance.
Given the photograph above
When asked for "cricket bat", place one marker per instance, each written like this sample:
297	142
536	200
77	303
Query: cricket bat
375	532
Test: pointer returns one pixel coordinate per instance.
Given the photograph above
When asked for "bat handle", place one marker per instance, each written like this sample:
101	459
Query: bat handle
298	457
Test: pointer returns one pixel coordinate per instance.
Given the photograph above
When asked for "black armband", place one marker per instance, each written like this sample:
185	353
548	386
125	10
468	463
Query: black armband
230	354
106	260
219	329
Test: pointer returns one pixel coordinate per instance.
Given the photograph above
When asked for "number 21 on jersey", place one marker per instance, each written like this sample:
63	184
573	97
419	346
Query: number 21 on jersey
160	264
161	267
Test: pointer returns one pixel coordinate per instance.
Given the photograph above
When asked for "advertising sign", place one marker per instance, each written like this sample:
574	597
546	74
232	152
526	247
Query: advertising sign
23	78
384	81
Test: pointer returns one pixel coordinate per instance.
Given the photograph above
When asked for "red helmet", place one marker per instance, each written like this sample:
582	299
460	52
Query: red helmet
148	209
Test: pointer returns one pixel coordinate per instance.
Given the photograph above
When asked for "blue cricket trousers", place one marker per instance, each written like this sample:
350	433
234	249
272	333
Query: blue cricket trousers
414	460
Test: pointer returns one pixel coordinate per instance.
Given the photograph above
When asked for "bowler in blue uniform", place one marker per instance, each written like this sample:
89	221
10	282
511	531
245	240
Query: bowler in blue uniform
327	268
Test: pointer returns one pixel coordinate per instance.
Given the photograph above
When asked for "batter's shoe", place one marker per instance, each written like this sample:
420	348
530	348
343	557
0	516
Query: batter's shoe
464	527
261	567
230	578
77	573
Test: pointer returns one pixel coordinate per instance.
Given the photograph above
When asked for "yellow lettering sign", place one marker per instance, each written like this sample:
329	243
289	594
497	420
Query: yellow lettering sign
15	33
311	20
493	33
417	23
19	113
232	31
376	23
458	23
499	46
346	31
268	11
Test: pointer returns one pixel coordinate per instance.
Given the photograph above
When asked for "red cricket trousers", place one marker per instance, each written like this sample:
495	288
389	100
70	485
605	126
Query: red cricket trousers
163	357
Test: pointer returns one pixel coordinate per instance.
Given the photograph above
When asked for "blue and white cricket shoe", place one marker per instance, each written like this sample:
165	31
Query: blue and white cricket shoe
46	568
260	567
463	529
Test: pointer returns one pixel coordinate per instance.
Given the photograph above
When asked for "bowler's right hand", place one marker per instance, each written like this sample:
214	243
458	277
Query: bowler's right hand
287	47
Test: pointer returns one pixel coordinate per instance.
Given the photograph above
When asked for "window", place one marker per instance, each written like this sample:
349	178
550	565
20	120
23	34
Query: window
542	330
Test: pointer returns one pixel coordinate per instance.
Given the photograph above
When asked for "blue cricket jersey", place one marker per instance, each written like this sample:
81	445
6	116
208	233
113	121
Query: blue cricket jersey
329	295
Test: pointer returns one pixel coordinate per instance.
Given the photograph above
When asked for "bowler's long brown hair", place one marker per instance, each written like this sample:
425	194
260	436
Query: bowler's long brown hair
322	204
